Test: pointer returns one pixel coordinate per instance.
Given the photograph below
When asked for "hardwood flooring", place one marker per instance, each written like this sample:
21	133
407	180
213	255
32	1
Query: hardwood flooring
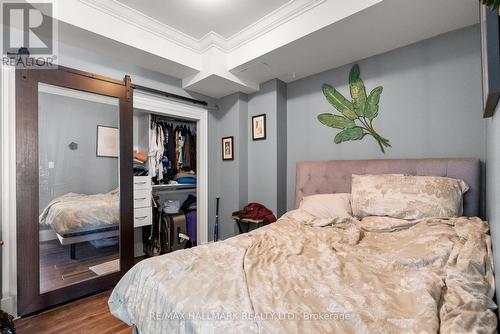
86	316
57	269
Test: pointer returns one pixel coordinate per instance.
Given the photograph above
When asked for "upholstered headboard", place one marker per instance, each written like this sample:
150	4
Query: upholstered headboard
325	177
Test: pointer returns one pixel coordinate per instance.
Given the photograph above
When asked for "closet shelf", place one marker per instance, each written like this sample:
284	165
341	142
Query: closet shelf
174	187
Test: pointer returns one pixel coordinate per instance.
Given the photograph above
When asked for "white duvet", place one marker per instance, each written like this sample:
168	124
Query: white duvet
299	275
75	213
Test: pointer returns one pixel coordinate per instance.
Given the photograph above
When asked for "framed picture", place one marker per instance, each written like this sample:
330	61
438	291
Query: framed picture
228	148
259	127
490	47
107	141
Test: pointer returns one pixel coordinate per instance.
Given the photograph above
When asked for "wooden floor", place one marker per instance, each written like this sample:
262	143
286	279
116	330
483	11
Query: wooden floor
87	316
57	269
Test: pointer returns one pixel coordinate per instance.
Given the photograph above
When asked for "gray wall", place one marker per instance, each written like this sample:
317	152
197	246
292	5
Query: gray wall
262	167
493	186
267	158
257	172
233	187
430	107
63	120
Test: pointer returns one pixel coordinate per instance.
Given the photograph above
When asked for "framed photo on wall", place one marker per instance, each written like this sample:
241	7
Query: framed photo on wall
107	141
259	127
490	50
228	148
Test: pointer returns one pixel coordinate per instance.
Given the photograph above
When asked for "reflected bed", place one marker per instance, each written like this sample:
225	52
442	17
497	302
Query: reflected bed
77	218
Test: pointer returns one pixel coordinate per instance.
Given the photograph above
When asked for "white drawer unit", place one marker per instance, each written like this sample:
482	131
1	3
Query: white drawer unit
142	198
143	214
143	217
142	182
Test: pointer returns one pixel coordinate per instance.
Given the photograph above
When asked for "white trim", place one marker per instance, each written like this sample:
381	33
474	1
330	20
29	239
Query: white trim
77	94
274	19
144	22
271	21
8	160
164	106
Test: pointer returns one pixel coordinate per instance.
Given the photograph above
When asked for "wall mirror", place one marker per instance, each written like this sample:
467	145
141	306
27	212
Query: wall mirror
79	216
74	185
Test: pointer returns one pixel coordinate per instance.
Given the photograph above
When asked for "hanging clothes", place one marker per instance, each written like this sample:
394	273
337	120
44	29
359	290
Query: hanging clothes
159	153
172	149
188	145
153	148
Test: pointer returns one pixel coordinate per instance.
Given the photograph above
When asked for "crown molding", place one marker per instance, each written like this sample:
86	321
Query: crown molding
271	21
143	22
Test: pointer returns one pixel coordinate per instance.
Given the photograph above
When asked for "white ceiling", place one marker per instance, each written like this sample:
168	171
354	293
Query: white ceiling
301	38
386	26
199	17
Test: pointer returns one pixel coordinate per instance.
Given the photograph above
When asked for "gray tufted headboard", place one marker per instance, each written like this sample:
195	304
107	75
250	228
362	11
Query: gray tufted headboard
325	177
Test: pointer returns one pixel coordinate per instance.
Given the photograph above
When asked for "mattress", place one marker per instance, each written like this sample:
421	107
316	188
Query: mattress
78	214
347	276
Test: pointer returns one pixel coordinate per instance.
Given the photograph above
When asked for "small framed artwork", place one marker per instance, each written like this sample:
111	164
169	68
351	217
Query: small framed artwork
228	148
259	127
107	141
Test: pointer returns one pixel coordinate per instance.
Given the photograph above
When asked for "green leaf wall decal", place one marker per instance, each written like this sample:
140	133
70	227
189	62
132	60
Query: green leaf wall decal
339	102
335	121
357	116
355	133
358	91
372	102
493	4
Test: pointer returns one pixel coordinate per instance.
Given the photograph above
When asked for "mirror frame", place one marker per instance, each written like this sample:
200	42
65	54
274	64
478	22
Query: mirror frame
30	299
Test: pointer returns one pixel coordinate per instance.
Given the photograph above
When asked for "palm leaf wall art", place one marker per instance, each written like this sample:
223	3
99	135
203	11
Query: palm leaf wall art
493	4
356	117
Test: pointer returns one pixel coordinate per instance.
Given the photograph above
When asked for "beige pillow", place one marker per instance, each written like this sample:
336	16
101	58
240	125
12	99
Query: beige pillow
327	205
407	197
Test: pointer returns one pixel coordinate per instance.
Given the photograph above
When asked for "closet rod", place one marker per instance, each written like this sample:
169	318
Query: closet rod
169	95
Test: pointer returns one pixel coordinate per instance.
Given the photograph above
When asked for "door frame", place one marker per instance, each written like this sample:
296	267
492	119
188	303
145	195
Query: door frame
29	298
167	107
8	185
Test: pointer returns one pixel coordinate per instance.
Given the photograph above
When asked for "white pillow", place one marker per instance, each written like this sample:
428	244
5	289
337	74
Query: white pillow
327	205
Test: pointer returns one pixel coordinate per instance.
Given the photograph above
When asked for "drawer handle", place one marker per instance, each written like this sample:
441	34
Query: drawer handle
143	182
141	218
140	199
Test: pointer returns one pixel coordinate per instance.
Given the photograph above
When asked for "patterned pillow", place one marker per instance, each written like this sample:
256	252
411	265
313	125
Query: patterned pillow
407	197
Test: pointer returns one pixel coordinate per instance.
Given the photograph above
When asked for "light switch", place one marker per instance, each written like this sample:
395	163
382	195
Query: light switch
51	164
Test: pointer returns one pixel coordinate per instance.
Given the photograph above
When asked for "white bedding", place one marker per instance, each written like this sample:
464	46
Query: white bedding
78	213
389	276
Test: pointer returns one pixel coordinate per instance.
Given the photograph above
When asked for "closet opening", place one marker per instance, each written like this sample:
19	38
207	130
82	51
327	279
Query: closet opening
170	167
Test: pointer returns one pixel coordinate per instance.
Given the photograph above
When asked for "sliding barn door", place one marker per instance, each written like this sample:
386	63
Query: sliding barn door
73	186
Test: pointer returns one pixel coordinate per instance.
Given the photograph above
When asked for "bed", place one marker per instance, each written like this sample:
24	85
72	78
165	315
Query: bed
424	276
77	218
